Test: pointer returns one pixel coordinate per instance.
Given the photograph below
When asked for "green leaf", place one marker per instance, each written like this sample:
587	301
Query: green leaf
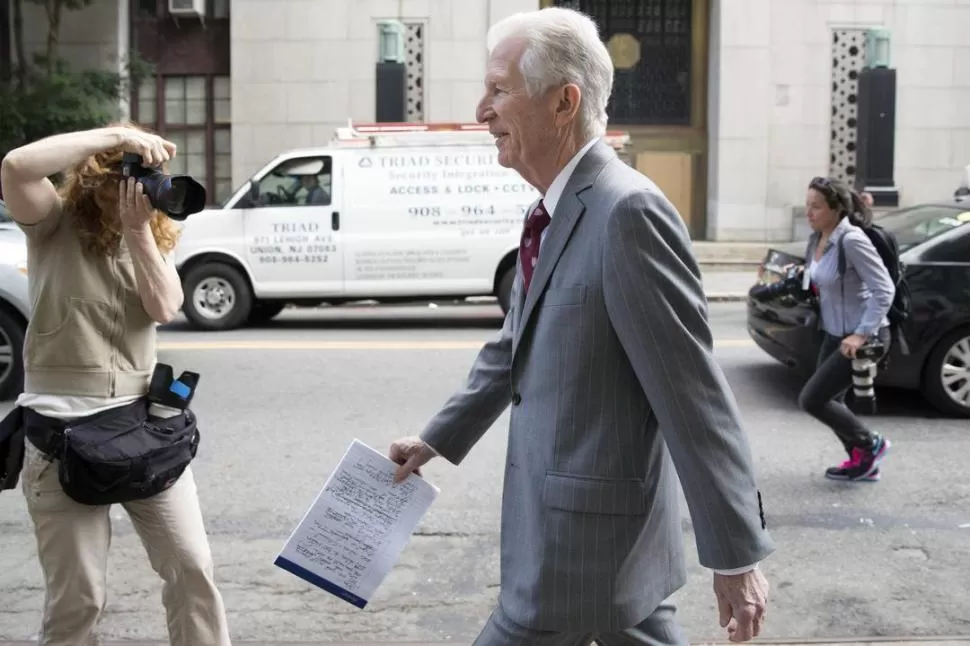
65	101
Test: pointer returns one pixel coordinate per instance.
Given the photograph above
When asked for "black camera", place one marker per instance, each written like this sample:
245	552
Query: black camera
177	196
864	368
789	285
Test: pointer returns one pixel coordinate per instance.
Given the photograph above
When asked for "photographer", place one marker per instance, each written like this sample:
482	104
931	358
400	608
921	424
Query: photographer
852	309
101	279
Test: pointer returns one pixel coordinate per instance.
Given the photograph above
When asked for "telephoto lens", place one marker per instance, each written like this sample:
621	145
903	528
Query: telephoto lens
863	385
177	196
865	366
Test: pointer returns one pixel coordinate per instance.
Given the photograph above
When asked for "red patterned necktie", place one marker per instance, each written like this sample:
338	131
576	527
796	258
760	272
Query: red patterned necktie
529	244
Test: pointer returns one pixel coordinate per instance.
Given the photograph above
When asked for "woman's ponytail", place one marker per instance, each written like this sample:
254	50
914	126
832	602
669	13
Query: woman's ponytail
860	214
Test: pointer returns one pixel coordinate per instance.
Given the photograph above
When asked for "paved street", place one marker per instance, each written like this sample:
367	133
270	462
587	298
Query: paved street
278	406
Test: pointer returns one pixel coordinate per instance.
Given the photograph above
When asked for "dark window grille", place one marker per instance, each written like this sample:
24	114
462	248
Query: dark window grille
657	89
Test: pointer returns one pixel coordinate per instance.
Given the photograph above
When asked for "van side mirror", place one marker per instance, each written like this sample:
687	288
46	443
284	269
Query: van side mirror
250	198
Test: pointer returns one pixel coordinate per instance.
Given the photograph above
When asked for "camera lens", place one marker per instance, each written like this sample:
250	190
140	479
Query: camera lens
175	197
183	197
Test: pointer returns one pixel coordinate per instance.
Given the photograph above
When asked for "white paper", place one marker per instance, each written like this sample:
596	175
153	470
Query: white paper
354	532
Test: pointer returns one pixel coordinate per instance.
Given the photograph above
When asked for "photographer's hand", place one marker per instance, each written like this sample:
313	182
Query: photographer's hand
153	149
134	207
851	344
158	282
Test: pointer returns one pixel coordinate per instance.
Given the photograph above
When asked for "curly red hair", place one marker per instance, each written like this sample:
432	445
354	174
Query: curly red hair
90	195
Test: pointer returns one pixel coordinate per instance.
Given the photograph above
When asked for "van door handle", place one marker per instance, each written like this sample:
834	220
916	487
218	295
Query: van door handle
335	221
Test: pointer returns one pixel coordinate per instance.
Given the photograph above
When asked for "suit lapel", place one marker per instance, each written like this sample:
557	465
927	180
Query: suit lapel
569	211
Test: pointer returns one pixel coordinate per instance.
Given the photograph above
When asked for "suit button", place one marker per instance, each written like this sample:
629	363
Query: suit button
516	399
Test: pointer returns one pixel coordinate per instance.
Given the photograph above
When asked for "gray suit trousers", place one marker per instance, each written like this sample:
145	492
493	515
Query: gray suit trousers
659	629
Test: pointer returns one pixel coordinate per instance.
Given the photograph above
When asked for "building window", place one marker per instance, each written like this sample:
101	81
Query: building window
145	112
219	8
216	9
650	42
194	113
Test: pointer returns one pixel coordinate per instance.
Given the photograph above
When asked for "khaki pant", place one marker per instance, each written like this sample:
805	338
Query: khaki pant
72	544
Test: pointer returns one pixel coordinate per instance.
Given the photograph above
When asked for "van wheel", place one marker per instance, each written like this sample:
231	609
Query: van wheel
505	289
264	312
11	356
946	379
217	297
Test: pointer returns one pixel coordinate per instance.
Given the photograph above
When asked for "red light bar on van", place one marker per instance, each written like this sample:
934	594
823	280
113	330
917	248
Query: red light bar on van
370	134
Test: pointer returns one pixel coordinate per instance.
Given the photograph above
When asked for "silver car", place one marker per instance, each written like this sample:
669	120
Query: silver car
14	305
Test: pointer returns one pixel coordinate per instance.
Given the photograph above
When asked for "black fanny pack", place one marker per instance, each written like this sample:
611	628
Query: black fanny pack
125	453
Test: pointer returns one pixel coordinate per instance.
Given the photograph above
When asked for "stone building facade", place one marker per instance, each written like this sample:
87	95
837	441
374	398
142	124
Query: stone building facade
733	105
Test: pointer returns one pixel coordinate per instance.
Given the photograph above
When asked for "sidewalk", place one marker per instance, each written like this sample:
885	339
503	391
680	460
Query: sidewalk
738	254
729	269
728	286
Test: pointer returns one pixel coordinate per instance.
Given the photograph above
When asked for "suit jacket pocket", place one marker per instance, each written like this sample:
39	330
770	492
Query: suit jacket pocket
559	296
584	494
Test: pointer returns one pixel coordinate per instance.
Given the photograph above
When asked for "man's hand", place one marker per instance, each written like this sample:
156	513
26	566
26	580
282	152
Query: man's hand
742	600
412	454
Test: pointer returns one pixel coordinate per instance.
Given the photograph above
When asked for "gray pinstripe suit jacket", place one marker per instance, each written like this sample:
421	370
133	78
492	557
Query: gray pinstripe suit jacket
608	365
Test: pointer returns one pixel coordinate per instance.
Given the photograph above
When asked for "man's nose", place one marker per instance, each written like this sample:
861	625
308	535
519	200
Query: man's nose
484	111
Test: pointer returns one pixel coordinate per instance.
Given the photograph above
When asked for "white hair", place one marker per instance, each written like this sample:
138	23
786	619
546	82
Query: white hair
562	46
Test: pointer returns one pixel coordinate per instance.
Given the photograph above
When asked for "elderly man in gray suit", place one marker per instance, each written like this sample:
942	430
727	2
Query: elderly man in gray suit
606	357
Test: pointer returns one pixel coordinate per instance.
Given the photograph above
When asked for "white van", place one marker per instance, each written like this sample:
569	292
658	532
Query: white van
389	212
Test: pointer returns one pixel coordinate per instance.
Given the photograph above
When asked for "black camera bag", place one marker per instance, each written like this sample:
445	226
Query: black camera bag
125	454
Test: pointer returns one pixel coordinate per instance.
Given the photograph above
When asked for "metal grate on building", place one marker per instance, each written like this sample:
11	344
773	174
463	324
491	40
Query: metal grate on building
414	58
848	59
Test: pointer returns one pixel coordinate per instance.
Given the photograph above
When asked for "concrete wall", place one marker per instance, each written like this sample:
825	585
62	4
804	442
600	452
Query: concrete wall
300	68
771	103
94	37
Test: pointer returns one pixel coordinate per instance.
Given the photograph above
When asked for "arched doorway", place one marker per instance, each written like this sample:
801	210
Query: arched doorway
660	52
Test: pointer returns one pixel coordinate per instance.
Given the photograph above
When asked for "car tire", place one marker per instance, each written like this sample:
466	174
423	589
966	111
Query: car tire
217	297
504	293
12	330
264	312
955	346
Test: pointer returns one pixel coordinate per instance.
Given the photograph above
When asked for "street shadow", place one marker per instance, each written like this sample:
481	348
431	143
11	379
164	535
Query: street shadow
781	385
450	317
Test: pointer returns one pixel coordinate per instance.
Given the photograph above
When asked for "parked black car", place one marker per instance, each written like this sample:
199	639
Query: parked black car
934	241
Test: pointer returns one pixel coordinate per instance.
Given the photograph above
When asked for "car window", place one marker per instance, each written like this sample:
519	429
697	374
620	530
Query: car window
953	249
296	182
918	224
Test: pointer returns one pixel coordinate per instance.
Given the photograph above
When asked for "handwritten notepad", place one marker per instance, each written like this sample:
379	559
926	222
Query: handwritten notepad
354	532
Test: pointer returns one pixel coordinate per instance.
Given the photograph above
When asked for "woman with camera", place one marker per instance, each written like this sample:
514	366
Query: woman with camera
853	308
101	279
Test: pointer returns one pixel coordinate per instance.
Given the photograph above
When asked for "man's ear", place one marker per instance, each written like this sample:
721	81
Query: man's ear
567	104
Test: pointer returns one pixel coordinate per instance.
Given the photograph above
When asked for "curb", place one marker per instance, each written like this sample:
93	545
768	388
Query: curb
727	297
712	265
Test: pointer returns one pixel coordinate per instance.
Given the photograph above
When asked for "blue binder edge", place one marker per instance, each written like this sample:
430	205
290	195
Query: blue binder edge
319	581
